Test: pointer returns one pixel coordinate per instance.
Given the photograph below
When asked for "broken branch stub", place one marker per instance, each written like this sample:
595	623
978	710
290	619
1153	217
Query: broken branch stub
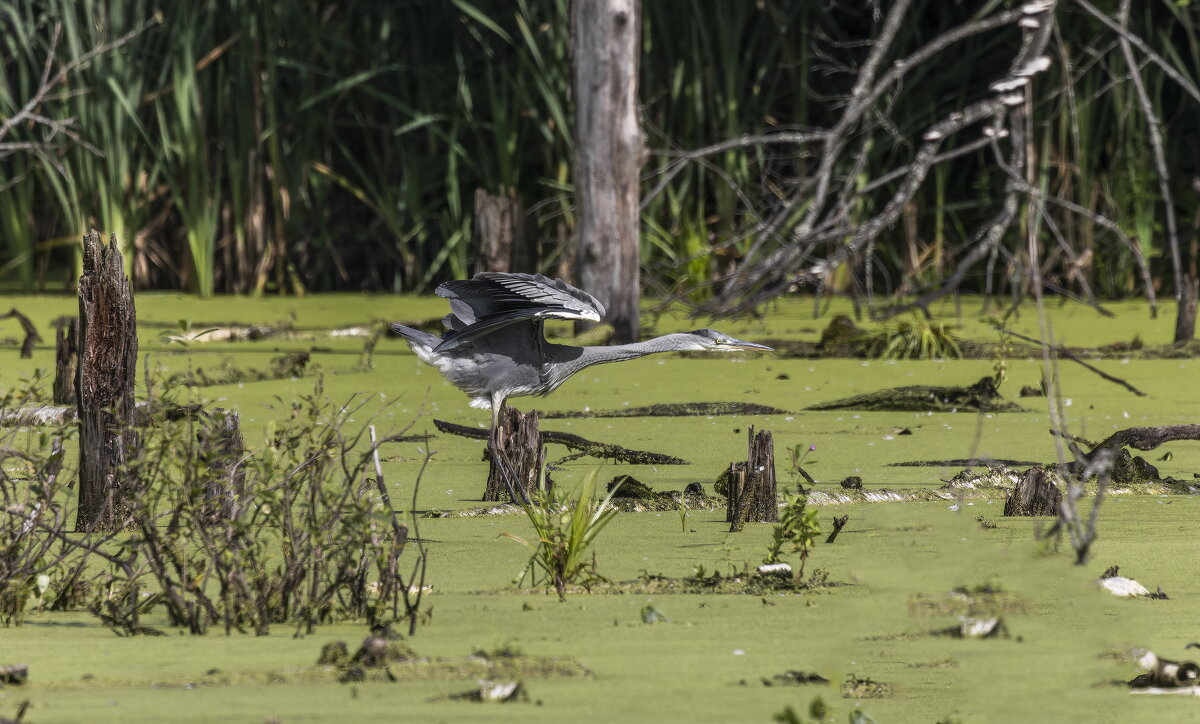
31	335
66	360
104	387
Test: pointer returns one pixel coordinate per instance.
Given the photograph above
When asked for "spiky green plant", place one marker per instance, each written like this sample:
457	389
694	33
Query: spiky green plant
564	530
912	338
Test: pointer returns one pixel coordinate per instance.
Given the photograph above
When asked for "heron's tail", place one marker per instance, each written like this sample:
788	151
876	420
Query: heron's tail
416	338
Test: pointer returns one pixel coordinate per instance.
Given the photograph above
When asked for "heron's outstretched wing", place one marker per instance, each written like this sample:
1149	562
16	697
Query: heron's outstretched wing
493	300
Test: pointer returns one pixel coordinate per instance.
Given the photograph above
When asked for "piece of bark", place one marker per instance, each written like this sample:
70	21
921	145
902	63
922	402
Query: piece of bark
516	457
1035	494
574	442
104	387
66	360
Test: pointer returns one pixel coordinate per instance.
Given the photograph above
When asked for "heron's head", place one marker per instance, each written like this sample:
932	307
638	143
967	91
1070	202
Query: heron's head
712	340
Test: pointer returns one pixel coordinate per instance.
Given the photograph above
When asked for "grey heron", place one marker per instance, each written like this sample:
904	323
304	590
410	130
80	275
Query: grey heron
494	347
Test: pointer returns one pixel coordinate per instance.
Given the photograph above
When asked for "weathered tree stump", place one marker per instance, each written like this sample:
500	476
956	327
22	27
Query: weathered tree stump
221	447
516	457
104	387
1035	494
752	489
500	231
1185	320
66	360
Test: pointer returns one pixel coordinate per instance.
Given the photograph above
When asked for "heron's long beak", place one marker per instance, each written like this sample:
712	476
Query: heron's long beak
750	346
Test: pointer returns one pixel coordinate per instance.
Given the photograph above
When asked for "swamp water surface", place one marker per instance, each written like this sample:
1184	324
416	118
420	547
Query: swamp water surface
1068	640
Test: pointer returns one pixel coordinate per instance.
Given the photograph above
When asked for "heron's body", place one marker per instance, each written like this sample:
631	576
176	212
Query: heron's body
495	348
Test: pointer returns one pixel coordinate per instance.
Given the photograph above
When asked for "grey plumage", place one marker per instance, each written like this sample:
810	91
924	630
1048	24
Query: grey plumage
494	347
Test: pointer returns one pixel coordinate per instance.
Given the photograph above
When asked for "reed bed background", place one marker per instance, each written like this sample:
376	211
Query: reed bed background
249	147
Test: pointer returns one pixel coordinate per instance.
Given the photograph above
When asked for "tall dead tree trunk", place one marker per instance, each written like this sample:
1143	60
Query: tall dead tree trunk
66	360
608	156
104	386
500	233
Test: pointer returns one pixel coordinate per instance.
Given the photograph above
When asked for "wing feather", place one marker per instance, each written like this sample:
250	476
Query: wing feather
493	300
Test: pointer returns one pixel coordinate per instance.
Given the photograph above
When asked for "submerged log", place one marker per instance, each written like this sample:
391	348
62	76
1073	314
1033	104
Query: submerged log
752	489
1035	494
104	387
516	456
678	409
66	360
979	397
574	442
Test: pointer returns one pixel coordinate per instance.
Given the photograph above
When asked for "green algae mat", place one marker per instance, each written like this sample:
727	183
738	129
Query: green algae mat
898	576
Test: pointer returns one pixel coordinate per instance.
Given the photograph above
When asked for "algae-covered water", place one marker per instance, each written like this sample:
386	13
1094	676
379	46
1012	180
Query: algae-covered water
1068	640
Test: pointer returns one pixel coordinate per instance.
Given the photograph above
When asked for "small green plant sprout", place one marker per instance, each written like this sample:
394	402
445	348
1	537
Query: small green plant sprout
186	335
797	454
799	527
1001	353
912	338
683	515
565	530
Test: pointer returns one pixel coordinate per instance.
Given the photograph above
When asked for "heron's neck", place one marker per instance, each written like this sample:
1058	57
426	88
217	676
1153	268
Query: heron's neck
621	352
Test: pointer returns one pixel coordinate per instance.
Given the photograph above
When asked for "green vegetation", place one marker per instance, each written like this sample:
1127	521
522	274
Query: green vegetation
565	531
912	338
799	527
291	146
898	571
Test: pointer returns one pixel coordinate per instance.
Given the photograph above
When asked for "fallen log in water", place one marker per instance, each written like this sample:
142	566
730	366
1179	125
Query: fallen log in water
979	397
574	442
143	414
680	409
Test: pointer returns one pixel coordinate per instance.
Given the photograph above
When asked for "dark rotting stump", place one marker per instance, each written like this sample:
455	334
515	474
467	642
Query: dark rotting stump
751	488
104	387
516	456
66	360
1035	494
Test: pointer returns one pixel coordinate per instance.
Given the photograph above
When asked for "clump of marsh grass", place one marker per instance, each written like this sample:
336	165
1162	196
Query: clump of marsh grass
564	531
912	338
